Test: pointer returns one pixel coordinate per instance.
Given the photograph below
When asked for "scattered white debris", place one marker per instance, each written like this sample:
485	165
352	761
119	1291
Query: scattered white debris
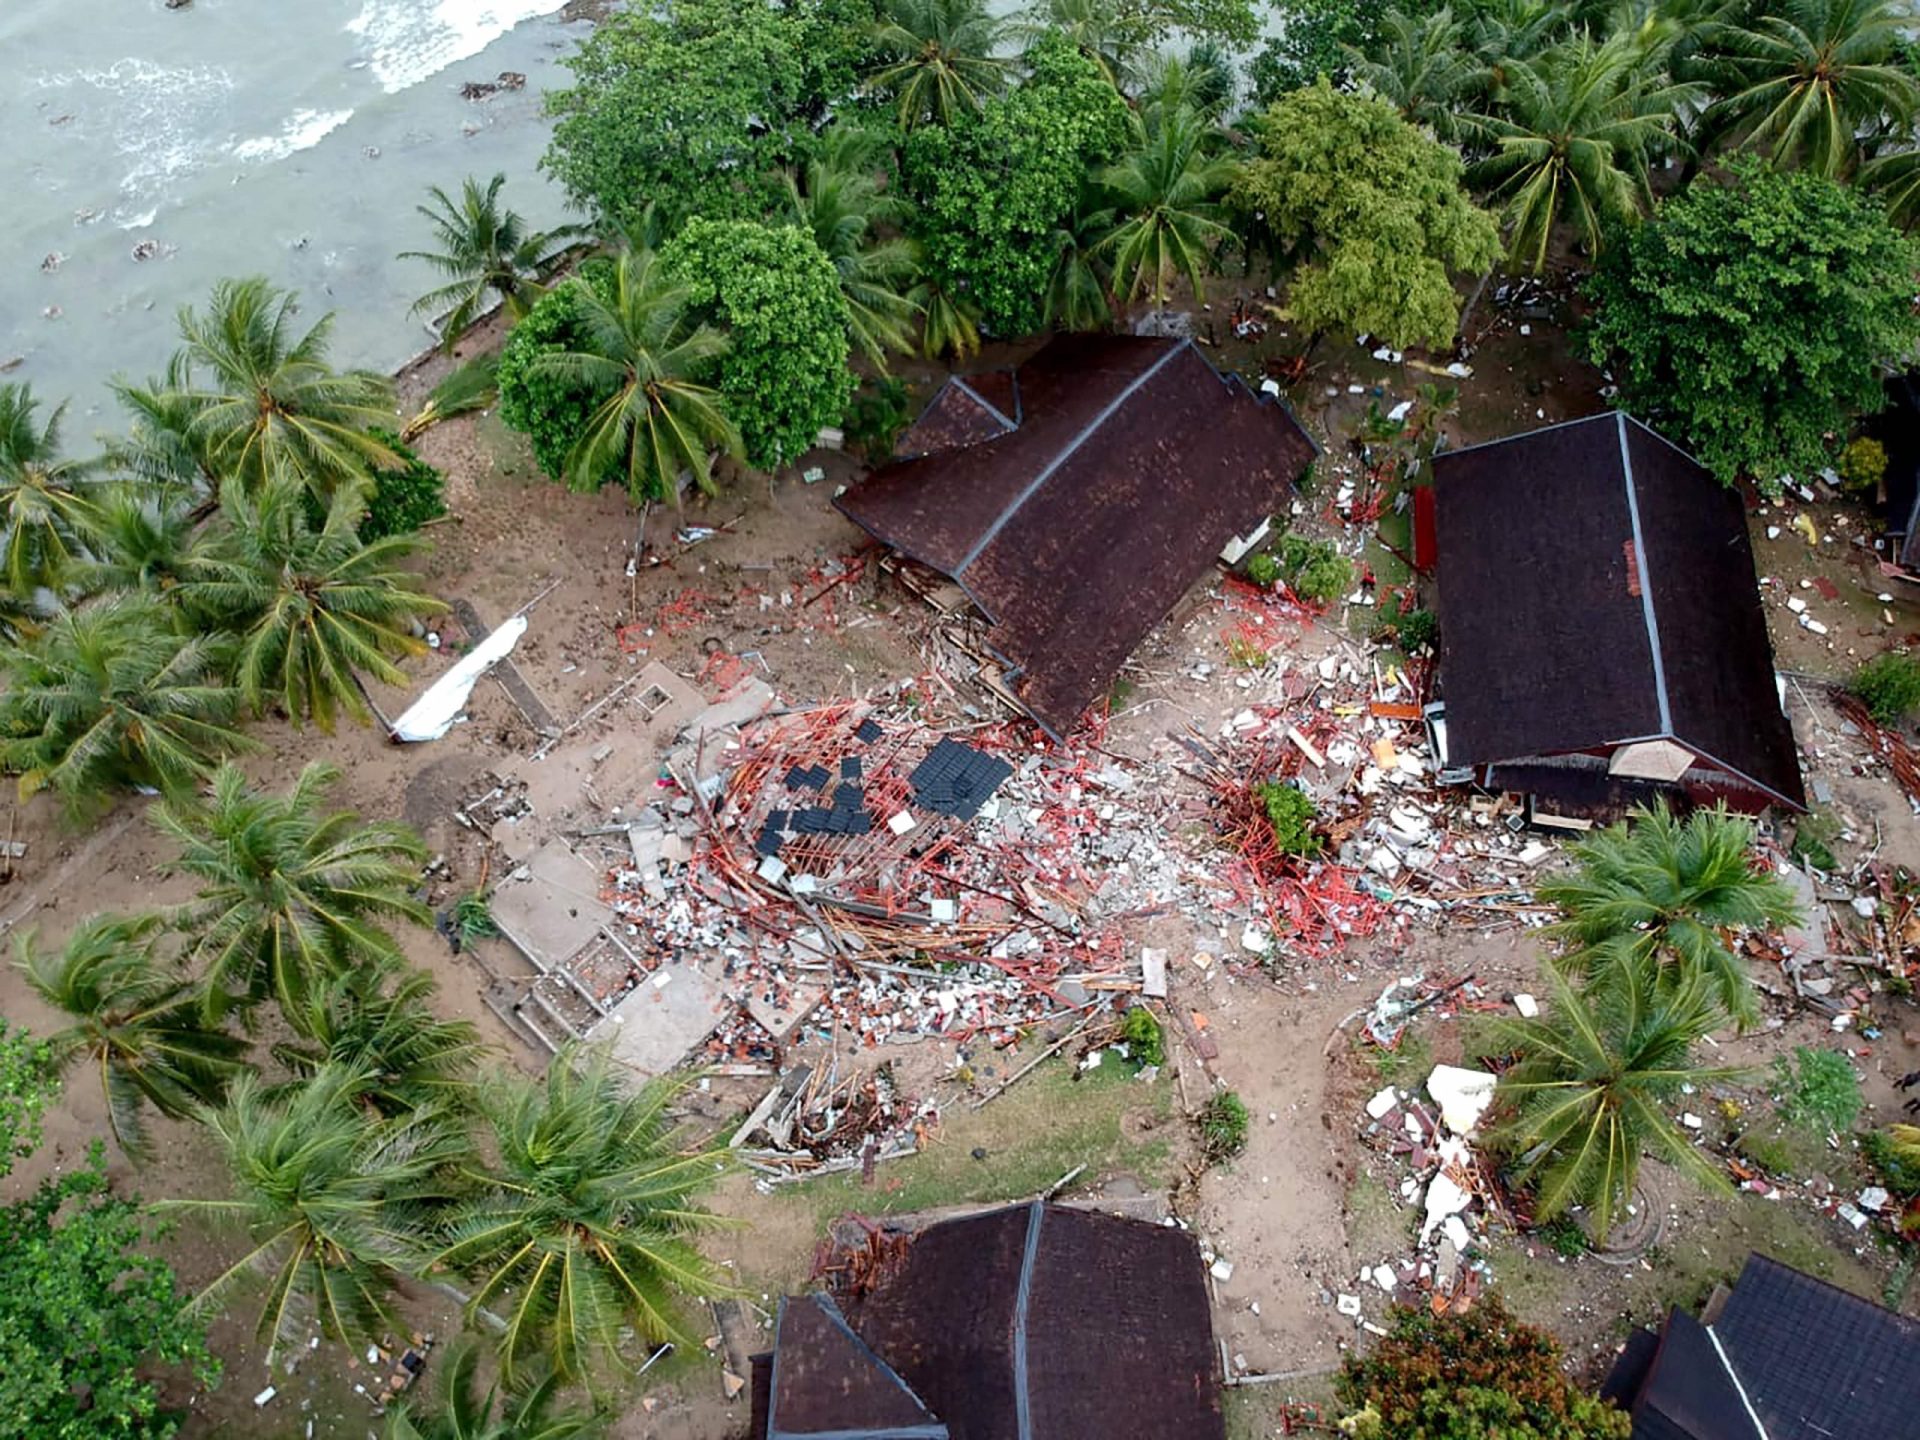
1526	1005
432	715
1463	1096
1381	1103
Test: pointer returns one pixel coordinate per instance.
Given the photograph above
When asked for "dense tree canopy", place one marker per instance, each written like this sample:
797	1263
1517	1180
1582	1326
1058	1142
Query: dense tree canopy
777	296
550	409
992	188
1373	211
1750	318
86	1318
695	107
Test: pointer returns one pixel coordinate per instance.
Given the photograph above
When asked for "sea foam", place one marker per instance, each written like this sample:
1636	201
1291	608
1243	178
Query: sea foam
408	41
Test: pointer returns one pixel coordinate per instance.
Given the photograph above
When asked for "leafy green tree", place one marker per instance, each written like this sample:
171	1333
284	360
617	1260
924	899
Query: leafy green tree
1372	211
45	499
839	200
289	896
697	106
1570	142
1110	33
1587	1096
404	498
992	189
1806	83
265	404
1670	893
107	696
137	1023
1314	40
1421	65
375	1021
584	1231
643	357
937	58
553	410
1752	318
484	250
1464	1377
467	1412
311	607
88	1318
28	1080
777	296
1165	195
335	1203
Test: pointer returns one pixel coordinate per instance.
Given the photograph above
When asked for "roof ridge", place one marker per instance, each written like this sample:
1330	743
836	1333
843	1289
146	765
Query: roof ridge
1023	1297
1651	617
1069	451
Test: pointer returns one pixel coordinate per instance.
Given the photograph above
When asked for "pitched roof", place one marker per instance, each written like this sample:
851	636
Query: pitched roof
1044	1322
1130	462
826	1382
1789	1358
1596	586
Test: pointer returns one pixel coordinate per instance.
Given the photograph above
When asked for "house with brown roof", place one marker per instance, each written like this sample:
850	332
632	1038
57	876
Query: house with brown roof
1075	499
1602	640
1033	1322
1783	1356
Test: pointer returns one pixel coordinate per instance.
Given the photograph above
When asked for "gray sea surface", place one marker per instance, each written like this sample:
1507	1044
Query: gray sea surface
146	153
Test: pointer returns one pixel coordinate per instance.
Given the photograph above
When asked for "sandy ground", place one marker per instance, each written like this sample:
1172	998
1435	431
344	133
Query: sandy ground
1294	1213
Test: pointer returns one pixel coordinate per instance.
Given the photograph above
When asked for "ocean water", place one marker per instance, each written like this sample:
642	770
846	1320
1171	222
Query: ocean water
285	138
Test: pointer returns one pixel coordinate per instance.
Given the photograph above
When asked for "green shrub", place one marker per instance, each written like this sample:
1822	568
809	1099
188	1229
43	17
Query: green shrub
879	410
1897	1171
1863	464
1314	569
1141	1034
1412	630
1564	1236
1889	685
1290	811
1767	1150
1263	569
1465	1377
404	498
1223	1126
1813	837
472	919
550	410
1817	1090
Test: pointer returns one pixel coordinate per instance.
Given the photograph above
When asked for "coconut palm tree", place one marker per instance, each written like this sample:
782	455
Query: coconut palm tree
1101	30
584	1230
1077	287
642	352
1421	65
1668	893
335	1204
468	1413
136	1023
375	1021
838	200
289	896
312	608
1895	178
949	320
484	250
1807	81
1571	142
1202	81
163	446
1164	192
937	58
109	695
141	539
1586	1098
45	499
265	402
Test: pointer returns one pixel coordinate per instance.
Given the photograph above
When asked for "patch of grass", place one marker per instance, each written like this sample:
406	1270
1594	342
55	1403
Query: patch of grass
1889	684
1377	1223
1817	1090
1254	1412
1407	1066
1223	1126
1056	1118
1140	1032
1120	695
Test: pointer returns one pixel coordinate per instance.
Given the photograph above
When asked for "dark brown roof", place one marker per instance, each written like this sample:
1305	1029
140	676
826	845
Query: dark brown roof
1802	1358
826	1382
1595	587
1132	462
964	412
1043	1322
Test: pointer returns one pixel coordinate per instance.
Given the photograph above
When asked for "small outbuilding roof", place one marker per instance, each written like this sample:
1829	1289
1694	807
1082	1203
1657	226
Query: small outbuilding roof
1596	587
1035	1322
1075	499
1788	1357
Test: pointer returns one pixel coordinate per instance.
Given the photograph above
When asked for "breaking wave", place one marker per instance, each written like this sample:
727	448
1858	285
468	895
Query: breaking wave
408	42
302	130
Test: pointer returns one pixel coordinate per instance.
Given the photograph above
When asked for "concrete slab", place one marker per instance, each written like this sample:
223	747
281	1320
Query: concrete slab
550	907
661	1021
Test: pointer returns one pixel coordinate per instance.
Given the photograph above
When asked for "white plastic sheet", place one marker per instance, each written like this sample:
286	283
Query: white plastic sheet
433	714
